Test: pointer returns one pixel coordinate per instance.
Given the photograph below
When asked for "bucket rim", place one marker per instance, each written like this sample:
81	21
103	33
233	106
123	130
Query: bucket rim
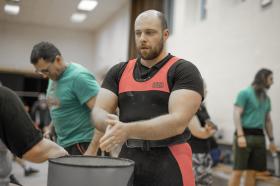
131	163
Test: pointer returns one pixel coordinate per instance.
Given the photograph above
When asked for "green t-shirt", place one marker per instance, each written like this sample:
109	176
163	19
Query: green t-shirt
67	98
254	110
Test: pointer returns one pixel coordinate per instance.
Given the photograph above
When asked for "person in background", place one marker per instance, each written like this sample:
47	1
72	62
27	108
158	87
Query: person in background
215	151
251	117
71	96
202	130
40	113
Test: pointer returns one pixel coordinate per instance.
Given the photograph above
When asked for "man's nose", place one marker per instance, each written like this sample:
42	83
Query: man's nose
142	37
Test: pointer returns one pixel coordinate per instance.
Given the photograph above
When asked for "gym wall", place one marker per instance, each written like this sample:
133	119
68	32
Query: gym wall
233	41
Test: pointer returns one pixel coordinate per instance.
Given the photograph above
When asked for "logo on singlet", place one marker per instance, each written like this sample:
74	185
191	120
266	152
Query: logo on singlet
158	85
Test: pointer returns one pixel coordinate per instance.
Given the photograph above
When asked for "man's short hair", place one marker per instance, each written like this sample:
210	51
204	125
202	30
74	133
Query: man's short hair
158	14
163	21
44	50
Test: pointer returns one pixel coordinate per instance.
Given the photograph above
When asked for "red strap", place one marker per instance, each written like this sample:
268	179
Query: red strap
157	82
183	155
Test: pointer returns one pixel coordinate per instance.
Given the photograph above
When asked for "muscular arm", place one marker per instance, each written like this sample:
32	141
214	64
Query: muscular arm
44	150
94	144
106	103
183	104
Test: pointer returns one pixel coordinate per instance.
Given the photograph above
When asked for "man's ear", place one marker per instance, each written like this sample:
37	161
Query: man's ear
58	59
165	34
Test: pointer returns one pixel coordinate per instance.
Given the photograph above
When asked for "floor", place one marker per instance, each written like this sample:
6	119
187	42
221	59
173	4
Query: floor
38	179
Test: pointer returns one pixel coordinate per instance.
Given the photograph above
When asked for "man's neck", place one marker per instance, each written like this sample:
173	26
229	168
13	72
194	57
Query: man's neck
152	62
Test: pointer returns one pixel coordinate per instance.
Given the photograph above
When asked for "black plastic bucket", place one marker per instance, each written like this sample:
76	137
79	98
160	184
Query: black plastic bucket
90	171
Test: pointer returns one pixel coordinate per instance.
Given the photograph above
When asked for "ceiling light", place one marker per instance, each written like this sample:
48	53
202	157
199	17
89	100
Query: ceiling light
11	9
87	5
78	17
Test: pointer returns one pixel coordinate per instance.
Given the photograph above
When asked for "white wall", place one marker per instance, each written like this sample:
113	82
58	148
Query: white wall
17	40
97	50
229	47
111	41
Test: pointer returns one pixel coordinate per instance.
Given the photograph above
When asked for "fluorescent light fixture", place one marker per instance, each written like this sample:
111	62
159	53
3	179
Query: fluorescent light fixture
78	17
11	9
87	5
265	3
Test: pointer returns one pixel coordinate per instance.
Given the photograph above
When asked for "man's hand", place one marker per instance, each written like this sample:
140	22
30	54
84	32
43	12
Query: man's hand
272	147
116	134
49	132
211	130
241	141
209	123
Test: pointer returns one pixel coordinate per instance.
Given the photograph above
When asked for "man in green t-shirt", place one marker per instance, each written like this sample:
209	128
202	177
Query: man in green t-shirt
251	116
71	96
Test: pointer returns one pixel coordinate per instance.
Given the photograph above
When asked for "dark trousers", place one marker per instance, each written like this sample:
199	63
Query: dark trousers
78	148
161	166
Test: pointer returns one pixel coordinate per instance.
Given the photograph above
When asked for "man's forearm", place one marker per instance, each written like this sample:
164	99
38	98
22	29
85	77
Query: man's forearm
161	127
197	130
202	133
99	117
269	130
44	150
94	144
237	122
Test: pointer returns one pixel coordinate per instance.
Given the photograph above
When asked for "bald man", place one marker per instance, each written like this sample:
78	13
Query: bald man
157	94
19	134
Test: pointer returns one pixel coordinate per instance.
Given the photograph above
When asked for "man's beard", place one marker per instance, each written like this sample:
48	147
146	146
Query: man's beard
153	53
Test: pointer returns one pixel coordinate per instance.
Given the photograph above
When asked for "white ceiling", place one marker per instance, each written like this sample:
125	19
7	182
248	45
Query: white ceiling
57	13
